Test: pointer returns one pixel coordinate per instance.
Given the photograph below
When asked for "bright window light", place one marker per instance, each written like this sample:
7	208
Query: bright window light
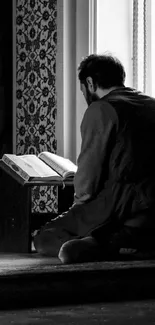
114	32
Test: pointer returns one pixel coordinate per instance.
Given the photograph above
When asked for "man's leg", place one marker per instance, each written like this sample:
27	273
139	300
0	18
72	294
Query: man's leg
105	246
78	222
93	248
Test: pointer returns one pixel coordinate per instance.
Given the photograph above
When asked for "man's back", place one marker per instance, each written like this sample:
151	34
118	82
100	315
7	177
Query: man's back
132	160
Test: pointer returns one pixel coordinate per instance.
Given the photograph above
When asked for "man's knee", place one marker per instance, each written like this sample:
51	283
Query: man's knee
78	250
70	251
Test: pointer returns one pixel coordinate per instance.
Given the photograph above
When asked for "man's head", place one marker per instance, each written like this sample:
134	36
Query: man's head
99	74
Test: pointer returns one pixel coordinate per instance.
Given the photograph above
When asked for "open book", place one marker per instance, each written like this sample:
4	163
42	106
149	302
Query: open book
45	166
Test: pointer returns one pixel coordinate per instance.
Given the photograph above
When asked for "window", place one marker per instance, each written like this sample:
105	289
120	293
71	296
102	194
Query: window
127	30
144	46
114	32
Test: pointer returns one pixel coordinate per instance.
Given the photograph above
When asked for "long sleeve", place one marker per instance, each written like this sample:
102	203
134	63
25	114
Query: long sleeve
98	123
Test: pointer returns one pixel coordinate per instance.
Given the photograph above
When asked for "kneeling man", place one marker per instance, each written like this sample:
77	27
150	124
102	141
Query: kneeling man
114	205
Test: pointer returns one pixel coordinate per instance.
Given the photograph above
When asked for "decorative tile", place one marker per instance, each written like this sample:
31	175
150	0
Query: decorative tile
36	45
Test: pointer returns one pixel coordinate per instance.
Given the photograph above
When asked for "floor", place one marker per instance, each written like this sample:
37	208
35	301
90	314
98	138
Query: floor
12	264
19	263
125	313
35	290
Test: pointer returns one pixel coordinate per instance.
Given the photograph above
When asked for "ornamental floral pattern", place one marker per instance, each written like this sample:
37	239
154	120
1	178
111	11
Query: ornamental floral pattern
36	44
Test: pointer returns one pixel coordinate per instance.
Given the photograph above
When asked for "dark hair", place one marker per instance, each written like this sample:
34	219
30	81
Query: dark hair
106	70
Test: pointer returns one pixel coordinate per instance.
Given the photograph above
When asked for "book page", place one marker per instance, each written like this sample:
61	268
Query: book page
63	166
38	166
32	165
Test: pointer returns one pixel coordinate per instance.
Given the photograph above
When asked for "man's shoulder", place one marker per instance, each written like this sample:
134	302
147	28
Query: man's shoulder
128	94
101	109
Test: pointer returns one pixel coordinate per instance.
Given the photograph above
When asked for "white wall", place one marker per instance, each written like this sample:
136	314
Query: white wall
82	50
114	34
114	31
66	79
72	45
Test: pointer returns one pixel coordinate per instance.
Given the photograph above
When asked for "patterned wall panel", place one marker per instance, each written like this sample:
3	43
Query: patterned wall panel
36	39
